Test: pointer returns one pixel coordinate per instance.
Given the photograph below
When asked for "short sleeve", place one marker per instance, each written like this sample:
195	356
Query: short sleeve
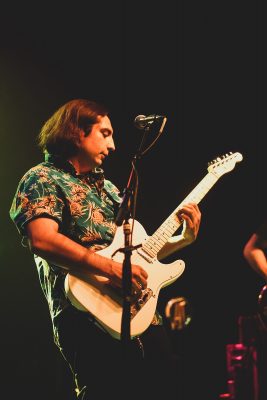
37	195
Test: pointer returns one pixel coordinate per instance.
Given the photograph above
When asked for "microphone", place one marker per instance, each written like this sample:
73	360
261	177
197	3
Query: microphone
141	121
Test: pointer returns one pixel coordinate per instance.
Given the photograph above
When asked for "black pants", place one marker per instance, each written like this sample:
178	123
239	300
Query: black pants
104	367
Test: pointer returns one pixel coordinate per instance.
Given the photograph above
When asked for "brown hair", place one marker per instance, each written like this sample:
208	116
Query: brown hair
60	133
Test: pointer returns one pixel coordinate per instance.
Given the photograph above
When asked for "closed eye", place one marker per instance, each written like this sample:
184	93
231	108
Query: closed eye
106	132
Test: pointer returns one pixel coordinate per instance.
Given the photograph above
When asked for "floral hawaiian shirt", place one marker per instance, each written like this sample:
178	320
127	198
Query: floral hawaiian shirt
83	205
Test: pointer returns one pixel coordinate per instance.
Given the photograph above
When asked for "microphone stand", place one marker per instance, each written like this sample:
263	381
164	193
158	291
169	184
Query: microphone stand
123	216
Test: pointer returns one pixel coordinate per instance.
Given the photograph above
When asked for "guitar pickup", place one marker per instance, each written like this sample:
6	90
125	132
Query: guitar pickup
140	301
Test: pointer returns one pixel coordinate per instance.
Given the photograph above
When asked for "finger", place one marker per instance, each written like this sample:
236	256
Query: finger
191	207
191	204
185	214
189	211
188	220
144	274
141	284
139	278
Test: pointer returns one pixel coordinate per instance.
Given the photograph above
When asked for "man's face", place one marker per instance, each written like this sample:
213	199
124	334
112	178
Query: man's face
95	147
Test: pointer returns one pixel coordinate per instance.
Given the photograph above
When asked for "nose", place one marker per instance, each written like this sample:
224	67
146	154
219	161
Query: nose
111	144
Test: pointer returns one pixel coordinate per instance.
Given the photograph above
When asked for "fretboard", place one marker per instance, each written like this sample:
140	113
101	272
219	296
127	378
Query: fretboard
154	243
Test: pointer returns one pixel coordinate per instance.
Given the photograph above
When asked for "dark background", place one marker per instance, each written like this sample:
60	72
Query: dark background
202	65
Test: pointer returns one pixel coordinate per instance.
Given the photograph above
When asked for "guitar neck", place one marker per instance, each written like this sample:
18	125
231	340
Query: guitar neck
156	242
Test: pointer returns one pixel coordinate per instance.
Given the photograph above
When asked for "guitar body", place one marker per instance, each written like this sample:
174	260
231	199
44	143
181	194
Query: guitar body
95	295
105	303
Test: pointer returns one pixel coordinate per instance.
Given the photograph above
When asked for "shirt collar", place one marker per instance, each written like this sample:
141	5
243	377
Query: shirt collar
92	177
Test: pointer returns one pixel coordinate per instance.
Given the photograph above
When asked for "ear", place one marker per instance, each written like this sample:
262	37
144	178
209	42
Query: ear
80	137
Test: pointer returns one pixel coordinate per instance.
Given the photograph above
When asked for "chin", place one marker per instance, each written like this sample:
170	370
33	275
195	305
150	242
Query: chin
98	163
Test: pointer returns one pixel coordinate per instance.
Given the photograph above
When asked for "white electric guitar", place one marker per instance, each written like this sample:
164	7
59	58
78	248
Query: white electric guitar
96	296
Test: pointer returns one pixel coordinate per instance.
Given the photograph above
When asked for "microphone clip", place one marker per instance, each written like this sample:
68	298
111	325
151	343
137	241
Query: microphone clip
145	122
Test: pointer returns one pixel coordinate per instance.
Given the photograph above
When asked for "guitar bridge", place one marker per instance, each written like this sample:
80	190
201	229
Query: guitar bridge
140	302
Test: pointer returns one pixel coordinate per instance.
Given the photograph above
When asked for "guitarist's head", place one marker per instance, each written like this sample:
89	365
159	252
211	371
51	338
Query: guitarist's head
79	131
